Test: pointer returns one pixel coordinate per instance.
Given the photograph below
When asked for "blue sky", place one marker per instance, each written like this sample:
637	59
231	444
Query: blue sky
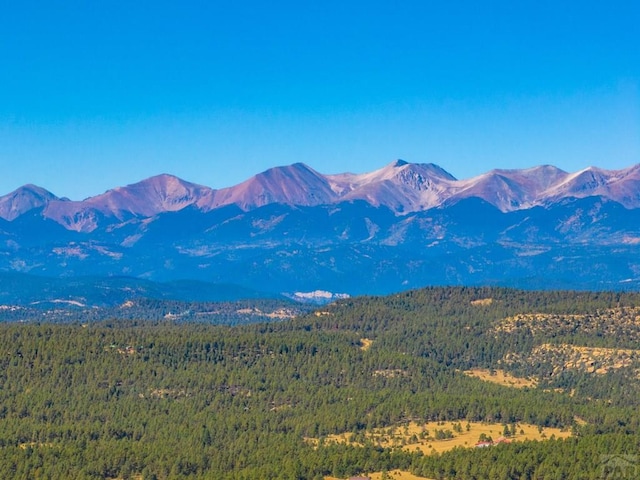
99	94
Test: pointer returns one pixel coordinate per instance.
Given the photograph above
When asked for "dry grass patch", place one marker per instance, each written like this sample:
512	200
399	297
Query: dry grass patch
393	474
397	475
365	344
165	393
482	302
501	377
580	421
26	445
391	373
438	437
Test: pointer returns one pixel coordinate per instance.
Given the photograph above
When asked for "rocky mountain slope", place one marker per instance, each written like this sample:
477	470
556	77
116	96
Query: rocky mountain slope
400	186
292	229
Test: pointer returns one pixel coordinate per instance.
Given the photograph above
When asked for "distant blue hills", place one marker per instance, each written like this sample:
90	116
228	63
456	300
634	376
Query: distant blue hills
291	229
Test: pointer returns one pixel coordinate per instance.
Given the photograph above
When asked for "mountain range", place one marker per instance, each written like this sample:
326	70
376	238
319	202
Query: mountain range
400	186
292	229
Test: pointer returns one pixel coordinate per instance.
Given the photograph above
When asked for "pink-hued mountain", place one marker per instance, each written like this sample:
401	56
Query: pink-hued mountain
403	187
162	193
296	184
400	186
24	199
622	186
510	190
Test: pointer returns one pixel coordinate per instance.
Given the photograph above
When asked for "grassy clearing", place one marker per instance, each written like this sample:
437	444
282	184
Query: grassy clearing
483	302
501	377
365	344
437	437
393	474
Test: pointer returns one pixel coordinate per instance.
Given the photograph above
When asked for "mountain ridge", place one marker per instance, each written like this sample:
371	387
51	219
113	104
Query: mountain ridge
292	229
401	186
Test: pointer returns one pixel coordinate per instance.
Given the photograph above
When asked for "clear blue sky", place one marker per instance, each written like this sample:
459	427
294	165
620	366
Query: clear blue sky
97	94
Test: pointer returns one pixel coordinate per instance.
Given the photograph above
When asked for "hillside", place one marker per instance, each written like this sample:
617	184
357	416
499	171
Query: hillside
190	400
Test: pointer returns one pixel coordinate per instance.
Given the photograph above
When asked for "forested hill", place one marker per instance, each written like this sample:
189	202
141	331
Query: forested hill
158	399
216	313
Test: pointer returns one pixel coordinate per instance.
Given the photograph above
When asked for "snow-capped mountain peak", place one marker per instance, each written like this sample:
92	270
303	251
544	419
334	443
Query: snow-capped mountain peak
401	186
